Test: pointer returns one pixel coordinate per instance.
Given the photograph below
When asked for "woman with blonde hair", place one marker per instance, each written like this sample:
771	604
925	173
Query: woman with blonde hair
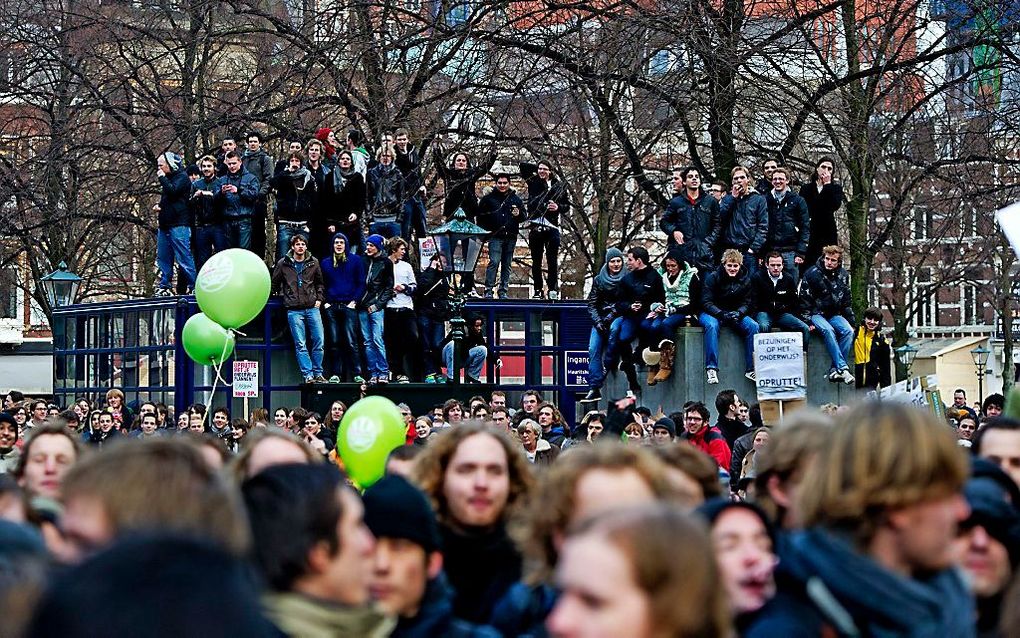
477	479
639	573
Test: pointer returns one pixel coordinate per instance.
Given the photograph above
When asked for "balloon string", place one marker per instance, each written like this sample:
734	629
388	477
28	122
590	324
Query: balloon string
217	367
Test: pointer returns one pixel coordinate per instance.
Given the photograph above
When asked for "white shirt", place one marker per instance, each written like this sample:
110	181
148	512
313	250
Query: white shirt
403	274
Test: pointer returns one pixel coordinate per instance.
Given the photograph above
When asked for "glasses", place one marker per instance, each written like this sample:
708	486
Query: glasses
693	418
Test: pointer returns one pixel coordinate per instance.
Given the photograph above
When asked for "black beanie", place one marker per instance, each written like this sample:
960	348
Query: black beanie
396	509
991	508
666	422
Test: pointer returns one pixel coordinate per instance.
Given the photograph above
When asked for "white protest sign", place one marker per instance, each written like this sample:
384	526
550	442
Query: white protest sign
246	379
1009	221
779	366
426	248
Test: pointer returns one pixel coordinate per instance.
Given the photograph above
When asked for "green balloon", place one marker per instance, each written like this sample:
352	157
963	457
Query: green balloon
369	431
233	287
1012	409
206	341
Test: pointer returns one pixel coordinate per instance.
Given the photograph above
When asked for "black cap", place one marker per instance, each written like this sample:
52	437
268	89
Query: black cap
667	423
990	507
396	509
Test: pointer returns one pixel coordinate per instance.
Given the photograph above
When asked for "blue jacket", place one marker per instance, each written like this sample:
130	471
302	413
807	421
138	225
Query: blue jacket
237	205
173	202
745	223
345	280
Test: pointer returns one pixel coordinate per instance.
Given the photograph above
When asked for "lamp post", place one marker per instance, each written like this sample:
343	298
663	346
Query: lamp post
460	243
61	286
980	356
905	354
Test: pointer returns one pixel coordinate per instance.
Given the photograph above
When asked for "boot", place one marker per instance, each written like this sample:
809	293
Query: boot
665	361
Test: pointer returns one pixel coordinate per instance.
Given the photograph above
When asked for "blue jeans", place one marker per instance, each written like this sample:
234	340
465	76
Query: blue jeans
750	262
838	335
386	229
344	333
175	245
305	327
501	255
622	332
208	240
665	327
372	336
414	219
238	233
473	365
284	233
432	332
784	321
596	349
746	327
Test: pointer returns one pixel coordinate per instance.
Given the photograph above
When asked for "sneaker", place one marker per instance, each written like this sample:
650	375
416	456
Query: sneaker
359	379
470	379
383	379
594	396
320	379
431	378
538	295
712	376
440	378
334	379
554	295
473	294
403	378
309	379
750	375
489	295
164	292
833	376
845	376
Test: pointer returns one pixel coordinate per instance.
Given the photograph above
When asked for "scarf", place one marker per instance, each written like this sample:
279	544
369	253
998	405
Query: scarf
891	604
340	178
605	279
303	175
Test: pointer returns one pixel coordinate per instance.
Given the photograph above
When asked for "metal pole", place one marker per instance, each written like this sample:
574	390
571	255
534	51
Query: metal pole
981	386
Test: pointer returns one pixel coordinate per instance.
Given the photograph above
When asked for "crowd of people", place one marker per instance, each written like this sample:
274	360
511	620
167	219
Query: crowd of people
499	520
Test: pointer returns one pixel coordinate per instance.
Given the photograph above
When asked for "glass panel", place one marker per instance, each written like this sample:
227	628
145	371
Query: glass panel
129	369
144	359
144	328
284	368
512	372
548	332
550	368
510	331
117	330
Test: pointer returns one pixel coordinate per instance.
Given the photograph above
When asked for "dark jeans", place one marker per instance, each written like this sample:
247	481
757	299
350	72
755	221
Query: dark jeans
432	332
344	339
238	232
208	241
501	256
414	219
403	347
386	229
547	241
258	227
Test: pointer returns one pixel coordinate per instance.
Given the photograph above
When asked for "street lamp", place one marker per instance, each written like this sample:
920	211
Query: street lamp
905	354
980	356
460	243
61	286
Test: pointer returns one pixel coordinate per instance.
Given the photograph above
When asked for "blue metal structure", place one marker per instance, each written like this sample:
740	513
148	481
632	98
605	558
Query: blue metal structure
135	345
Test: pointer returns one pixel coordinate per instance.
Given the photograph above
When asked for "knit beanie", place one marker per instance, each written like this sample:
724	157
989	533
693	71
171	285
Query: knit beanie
378	241
396	509
173	160
667	423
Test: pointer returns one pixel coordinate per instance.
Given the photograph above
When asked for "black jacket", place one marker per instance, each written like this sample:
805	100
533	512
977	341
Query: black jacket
435	617
261	166
378	283
877	371
745	223
349	199
540	193
644	286
602	308
295	197
173	200
740	446
299	293
495	214
385	193
775	299
205	210
410	167
789	226
827	292
459	185
432	297
722	294
822	207
477	590
700	225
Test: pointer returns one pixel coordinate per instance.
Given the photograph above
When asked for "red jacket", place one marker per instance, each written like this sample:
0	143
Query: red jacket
710	441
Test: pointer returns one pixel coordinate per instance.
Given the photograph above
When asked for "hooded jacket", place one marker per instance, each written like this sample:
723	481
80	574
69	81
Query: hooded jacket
745	223
877	370
173	201
604	294
344	279
237	205
710	441
683	294
495	213
789	226
299	291
260	165
827	292
700	224
722	293
378	283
